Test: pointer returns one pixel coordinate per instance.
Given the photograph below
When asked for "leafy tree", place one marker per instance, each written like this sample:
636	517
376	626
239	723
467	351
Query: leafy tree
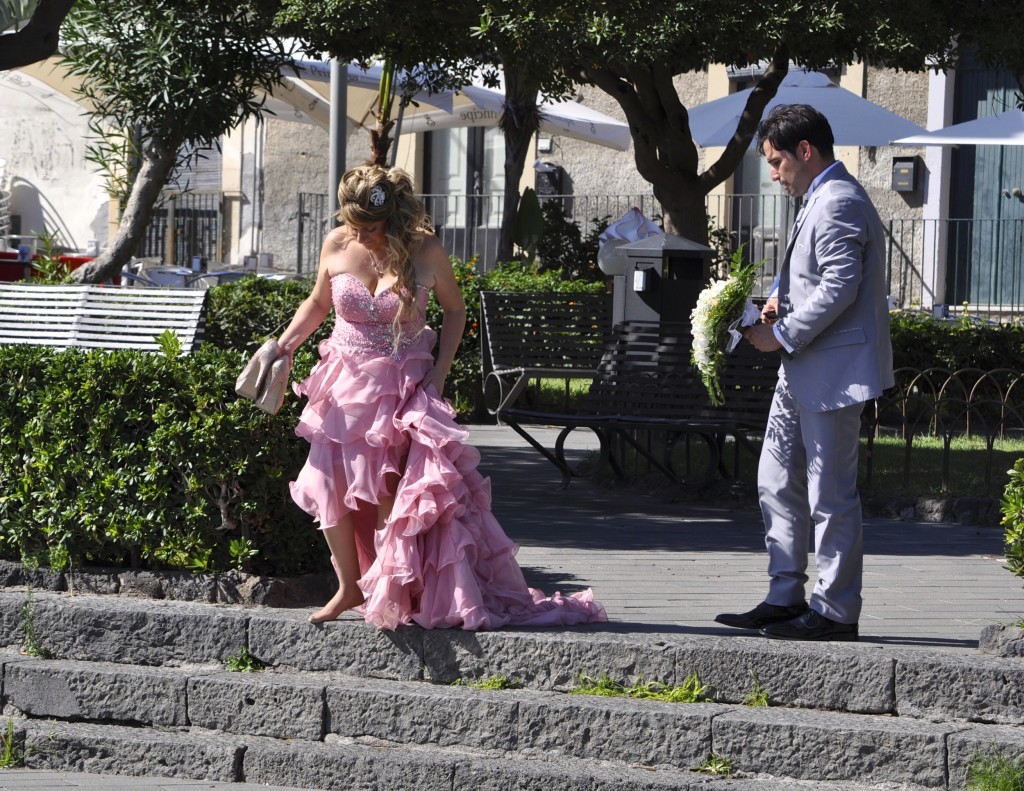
445	45
164	78
38	38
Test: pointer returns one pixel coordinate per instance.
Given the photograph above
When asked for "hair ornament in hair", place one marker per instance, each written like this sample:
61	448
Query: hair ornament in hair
377	196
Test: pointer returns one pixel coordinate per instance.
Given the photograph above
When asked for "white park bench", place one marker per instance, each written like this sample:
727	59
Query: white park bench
99	317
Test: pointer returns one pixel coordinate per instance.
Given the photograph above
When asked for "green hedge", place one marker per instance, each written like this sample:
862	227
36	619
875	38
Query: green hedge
920	341
132	459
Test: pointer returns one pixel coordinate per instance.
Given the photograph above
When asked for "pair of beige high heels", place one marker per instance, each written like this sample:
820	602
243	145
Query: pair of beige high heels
265	378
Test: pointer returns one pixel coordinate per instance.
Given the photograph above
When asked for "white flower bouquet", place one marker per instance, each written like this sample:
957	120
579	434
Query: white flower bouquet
723	309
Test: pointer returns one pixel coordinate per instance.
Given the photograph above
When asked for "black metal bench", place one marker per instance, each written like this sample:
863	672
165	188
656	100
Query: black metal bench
539	335
645	383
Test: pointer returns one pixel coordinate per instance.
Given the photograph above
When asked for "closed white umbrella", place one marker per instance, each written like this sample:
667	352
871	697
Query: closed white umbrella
1001	129
855	121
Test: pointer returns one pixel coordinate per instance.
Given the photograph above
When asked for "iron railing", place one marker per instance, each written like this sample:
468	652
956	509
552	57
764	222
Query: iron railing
186	225
947	405
931	264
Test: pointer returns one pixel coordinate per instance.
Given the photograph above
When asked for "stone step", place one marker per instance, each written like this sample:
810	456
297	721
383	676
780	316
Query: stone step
202	721
845	677
363	764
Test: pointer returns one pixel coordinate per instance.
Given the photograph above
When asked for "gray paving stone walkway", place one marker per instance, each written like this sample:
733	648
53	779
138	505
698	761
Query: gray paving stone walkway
661	566
669	567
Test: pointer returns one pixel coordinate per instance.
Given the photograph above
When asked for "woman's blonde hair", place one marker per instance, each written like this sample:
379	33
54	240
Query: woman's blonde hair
370	195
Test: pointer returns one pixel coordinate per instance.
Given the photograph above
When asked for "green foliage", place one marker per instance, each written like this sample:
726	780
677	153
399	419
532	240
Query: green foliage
31	643
564	249
10	755
170	343
921	341
715	764
995	772
175	69
126	458
528	225
244	662
491	682
243	314
758	696
690	691
1013	519
47	266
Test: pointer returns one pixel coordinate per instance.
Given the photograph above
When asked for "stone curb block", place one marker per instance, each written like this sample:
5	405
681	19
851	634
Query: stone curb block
978	689
287	639
965	745
816	676
114	749
813	745
138	632
421	713
91	691
643	732
345	766
284	706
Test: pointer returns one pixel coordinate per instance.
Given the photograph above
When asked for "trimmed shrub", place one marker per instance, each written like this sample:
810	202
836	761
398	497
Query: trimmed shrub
141	460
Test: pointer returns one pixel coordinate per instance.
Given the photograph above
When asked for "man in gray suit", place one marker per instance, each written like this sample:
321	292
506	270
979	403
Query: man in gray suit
829	318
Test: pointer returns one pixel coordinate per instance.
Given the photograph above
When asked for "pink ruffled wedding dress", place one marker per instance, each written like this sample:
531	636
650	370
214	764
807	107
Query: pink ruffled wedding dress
442	560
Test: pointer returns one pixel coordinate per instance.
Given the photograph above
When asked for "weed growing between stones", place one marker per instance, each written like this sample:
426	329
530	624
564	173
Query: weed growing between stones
491	682
758	695
244	662
690	691
715	764
995	772
32	646
10	755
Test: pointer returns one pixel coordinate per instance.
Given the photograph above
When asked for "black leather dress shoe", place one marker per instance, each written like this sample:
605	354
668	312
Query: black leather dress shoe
812	626
762	615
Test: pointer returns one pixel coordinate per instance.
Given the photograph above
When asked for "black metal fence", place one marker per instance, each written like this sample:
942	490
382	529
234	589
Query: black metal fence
194	221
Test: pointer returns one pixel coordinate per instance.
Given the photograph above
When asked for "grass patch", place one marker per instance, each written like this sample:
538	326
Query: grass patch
244	662
995	773
715	764
690	691
969	460
491	682
32	645
758	695
10	756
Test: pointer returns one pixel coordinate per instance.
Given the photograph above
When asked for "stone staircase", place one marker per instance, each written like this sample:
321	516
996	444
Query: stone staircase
140	687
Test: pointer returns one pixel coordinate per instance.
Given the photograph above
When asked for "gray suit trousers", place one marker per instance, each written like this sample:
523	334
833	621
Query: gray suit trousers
807	476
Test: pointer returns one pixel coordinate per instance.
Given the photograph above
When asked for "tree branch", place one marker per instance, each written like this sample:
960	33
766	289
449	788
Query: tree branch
762	93
38	39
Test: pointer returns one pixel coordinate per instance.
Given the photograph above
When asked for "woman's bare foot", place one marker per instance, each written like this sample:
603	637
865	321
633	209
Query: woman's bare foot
336	606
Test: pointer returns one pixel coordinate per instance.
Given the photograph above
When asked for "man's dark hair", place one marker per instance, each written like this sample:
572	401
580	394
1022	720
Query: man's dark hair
788	124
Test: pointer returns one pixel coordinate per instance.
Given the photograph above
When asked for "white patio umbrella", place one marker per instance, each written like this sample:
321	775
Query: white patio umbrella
477	105
307	99
1001	129
854	120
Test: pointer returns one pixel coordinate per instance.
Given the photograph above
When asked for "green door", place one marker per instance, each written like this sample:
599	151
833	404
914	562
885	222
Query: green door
986	233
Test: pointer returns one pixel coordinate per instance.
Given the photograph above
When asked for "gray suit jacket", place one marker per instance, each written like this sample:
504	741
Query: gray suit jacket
832	298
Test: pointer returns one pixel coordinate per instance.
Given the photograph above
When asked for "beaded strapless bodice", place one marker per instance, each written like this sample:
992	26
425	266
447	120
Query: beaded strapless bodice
364	320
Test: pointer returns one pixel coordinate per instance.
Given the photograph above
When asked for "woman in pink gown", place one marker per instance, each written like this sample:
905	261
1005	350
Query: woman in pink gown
390	478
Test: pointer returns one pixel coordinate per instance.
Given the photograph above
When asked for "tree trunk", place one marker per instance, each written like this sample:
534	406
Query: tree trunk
665	153
38	39
519	123
157	163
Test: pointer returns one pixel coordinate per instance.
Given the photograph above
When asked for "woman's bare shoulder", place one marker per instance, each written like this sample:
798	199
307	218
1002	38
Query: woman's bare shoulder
338	238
